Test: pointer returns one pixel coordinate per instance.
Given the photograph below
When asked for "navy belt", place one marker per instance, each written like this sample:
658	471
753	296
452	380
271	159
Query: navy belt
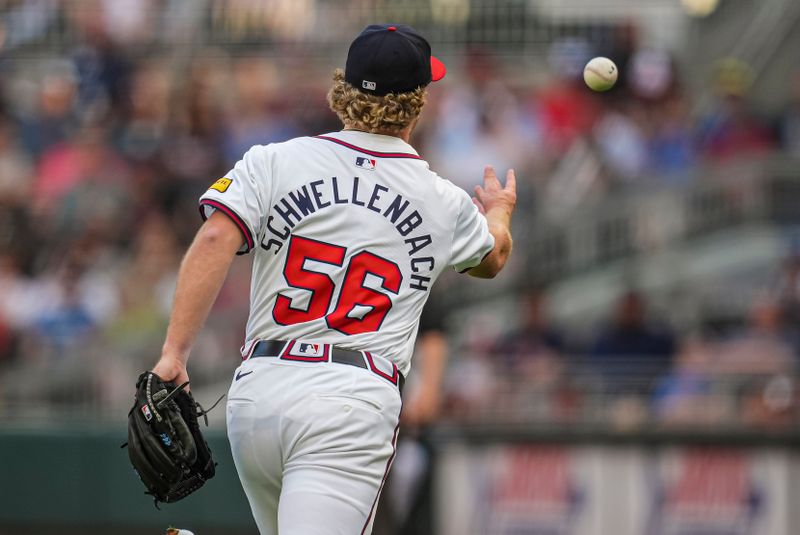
315	352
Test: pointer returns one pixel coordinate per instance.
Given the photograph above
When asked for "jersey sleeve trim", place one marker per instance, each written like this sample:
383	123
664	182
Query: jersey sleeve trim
216	205
368	152
479	263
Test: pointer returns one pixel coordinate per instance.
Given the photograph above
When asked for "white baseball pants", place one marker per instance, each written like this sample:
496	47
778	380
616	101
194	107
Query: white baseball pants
312	443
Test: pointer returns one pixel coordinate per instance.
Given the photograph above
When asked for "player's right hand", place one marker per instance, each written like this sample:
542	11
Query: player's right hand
171	369
493	196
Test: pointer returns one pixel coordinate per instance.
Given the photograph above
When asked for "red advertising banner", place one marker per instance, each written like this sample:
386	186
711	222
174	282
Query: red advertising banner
616	490
712	491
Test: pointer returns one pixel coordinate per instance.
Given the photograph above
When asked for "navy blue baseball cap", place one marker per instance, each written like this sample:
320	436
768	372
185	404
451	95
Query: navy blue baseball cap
387	58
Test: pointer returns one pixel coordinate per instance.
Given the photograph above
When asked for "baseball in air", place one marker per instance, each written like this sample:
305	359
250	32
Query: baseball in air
600	74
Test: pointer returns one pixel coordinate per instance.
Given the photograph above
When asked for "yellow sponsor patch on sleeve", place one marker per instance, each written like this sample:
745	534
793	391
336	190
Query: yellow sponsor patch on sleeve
221	185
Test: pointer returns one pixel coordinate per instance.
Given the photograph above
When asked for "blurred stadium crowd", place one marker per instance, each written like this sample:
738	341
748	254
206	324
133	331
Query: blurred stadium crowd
104	152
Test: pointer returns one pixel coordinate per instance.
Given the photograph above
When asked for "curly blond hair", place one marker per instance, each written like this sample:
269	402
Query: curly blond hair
389	113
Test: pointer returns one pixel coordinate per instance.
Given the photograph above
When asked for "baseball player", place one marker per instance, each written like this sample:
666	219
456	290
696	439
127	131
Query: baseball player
349	230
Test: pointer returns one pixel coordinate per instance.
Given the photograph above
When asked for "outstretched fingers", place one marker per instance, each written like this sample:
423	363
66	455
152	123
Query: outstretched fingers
493	194
511	181
490	177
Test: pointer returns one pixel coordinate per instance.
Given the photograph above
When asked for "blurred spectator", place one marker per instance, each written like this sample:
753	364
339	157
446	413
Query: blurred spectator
129	21
786	293
771	402
141	135
6	343
25	21
685	396
259	116
16	167
85	164
622	142
532	366
790	119
567	112
54	119
732	129
423	393
672	151
565	108
632	348
534	340
9	279
760	361
764	347
17	298
472	381
66	322
193	149
103	74
651	74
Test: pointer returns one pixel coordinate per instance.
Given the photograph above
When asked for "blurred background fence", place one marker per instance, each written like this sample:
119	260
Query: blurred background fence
652	305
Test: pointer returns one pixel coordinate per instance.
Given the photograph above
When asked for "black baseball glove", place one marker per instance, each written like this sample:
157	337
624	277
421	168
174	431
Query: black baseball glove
165	445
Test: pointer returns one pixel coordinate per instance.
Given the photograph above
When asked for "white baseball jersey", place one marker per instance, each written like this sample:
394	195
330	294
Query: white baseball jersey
350	230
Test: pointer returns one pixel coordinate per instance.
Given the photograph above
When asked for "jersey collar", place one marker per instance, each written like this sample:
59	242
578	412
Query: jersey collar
375	142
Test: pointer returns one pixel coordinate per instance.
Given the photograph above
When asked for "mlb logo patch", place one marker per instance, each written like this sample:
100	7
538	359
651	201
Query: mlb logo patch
309	350
305	351
366	163
147	414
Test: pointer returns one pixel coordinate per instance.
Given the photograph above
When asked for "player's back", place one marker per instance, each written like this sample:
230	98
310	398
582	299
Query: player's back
350	230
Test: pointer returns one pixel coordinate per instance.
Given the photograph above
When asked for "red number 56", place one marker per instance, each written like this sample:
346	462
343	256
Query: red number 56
353	292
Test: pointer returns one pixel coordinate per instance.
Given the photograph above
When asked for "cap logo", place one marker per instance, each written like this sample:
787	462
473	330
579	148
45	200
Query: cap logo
366	84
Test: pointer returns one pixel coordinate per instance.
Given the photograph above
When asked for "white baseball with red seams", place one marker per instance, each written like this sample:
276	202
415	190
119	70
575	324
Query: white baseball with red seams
349	231
600	74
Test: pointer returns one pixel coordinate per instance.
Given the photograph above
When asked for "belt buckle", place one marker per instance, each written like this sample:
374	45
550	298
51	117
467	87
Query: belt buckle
306	351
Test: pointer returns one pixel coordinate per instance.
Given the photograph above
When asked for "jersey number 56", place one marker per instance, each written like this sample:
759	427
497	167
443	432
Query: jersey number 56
353	292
